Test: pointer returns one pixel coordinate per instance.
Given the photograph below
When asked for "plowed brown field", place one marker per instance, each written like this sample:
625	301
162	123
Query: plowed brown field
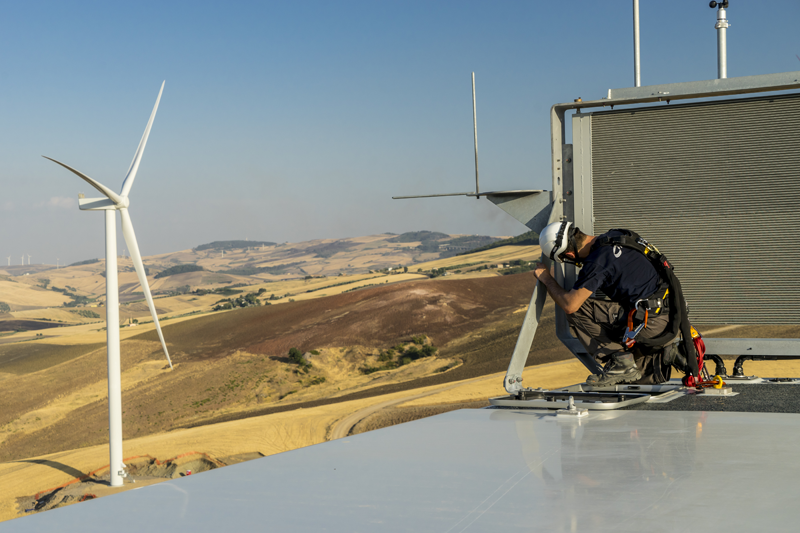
233	365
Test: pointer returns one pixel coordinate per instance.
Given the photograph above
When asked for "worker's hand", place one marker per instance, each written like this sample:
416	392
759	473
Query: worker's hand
539	269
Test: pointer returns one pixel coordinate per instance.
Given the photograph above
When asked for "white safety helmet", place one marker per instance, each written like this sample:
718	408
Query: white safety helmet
554	240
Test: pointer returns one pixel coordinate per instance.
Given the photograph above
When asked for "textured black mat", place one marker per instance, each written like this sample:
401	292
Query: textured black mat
761	398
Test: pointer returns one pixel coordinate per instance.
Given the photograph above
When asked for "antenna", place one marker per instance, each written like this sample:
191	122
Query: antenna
722	26
475	130
637	76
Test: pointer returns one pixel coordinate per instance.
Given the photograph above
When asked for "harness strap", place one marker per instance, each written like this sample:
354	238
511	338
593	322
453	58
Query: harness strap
679	312
558	241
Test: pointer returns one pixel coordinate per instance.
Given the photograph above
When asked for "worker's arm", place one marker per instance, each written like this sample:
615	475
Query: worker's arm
569	301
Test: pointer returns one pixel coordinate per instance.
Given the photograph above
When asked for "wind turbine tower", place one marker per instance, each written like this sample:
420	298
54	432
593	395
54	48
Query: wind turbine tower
29	259
110	204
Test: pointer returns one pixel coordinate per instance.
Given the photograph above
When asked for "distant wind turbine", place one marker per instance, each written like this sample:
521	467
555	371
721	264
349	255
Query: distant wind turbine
29	259
111	203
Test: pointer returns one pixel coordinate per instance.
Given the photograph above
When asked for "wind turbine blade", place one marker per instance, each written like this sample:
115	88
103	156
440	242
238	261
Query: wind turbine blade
131	175
114	197
133	248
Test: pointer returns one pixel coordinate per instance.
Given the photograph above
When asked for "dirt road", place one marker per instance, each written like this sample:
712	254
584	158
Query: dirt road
343	427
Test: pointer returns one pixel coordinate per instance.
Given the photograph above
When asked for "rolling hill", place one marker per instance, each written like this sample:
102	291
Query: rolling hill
234	364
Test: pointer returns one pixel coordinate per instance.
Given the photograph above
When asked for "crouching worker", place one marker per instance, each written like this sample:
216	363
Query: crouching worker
634	277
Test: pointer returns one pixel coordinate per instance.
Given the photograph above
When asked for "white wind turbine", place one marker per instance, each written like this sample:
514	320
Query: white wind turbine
111	203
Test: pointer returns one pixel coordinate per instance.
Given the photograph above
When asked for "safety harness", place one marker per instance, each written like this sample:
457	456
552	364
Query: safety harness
669	296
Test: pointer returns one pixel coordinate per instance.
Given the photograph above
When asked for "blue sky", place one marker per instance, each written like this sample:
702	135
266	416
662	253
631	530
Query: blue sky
291	121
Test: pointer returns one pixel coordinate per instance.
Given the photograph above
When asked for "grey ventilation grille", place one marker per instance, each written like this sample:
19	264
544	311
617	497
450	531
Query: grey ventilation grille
716	187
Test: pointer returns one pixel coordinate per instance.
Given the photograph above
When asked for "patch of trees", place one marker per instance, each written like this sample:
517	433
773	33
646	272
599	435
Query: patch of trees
76	299
179	269
183	289
252	271
131	269
231	245
86	262
529	238
334	285
402	354
472	240
428	247
249	300
327	250
419	236
228	291
4	308
85	313
436	272
517	266
296	357
361	287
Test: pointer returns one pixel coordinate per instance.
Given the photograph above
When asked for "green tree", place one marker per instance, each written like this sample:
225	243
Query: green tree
296	356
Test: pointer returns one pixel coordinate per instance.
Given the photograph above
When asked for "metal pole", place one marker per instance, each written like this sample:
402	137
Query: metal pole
112	336
722	46
637	76
475	130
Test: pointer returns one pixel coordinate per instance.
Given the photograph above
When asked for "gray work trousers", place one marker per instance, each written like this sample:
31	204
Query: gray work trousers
600	324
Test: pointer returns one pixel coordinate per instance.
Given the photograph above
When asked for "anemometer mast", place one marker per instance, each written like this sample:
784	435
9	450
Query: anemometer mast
637	70
722	44
721	26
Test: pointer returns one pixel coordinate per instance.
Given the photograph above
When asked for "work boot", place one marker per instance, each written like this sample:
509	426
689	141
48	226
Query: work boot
621	369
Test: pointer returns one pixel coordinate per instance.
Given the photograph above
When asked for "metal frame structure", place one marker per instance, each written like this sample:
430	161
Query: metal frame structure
566	205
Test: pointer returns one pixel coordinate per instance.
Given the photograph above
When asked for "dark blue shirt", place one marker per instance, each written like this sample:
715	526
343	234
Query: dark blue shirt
623	274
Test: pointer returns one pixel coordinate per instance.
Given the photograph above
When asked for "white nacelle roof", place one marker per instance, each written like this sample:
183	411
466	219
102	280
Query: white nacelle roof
487	470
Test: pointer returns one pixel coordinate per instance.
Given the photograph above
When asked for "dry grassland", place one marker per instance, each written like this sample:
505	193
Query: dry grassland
285	431
318	258
267	435
234	391
502	254
87	279
233	364
22	296
61	314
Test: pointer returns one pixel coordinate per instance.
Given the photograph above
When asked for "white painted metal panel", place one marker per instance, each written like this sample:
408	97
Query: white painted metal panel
487	470
716	187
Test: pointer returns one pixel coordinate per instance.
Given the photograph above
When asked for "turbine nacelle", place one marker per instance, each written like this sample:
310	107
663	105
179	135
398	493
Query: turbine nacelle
102	204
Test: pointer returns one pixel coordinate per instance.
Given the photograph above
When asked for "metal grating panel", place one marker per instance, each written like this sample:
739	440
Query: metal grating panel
716	187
